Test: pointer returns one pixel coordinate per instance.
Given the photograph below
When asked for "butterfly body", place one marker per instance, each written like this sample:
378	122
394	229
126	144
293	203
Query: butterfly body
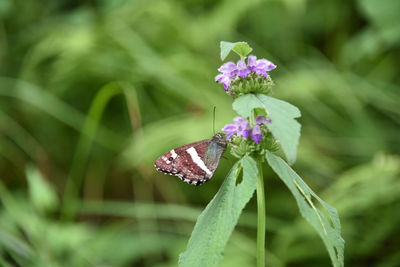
193	163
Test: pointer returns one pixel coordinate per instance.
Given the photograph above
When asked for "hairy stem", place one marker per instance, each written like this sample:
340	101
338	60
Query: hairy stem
261	217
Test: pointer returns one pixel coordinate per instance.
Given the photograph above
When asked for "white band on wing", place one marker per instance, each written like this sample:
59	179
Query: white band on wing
196	159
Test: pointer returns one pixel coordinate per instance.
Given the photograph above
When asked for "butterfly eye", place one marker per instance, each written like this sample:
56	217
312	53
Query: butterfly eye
171	159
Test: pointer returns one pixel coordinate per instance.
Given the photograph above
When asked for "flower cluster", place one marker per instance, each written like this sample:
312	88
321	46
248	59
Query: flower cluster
231	71
241	127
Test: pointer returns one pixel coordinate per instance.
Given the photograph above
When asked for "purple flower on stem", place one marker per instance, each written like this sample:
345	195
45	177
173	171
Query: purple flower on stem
229	69
244	128
263	66
260	66
228	72
262	120
241	127
242	69
251	63
256	134
230	129
224	79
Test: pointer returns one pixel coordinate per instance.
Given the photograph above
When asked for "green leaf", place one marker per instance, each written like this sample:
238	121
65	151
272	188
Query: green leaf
42	194
240	48
283	127
327	228
226	48
216	223
383	15
12	243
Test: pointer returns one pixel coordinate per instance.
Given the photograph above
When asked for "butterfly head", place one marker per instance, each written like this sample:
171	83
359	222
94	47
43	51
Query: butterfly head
219	138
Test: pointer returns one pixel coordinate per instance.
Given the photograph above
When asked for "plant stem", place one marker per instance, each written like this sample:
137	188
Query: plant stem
81	156
260	217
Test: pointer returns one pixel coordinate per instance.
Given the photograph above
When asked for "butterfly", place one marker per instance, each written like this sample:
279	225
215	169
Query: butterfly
194	163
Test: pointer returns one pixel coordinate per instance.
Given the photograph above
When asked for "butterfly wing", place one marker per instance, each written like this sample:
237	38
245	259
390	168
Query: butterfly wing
186	162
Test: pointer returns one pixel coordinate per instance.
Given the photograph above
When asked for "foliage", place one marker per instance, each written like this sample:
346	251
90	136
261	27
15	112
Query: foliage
216	223
240	48
283	126
328	227
287	131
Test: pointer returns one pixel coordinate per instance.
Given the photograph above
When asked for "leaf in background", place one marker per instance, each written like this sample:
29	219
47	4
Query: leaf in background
382	13
328	228
216	223
41	193
13	244
283	127
240	48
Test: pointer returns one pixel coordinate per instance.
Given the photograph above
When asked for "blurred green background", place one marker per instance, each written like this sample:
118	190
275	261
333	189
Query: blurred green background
93	91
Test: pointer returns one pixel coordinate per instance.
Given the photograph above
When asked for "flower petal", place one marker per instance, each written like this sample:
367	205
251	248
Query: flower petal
220	77
242	69
244	129
245	133
228	67
262	120
224	79
251	60
262	72
230	128
238	120
256	134
264	64
251	63
228	135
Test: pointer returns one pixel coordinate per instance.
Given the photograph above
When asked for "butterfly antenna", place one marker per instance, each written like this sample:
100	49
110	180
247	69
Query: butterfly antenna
214	118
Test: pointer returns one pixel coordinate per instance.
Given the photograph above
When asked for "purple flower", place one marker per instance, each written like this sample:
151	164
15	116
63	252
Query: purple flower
229	69
244	128
224	79
260	66
251	63
256	134
263	65
242	69
228	72
262	120
241	127
230	129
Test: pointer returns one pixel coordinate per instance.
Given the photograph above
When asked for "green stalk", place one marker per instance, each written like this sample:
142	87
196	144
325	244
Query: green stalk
76	174
260	217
